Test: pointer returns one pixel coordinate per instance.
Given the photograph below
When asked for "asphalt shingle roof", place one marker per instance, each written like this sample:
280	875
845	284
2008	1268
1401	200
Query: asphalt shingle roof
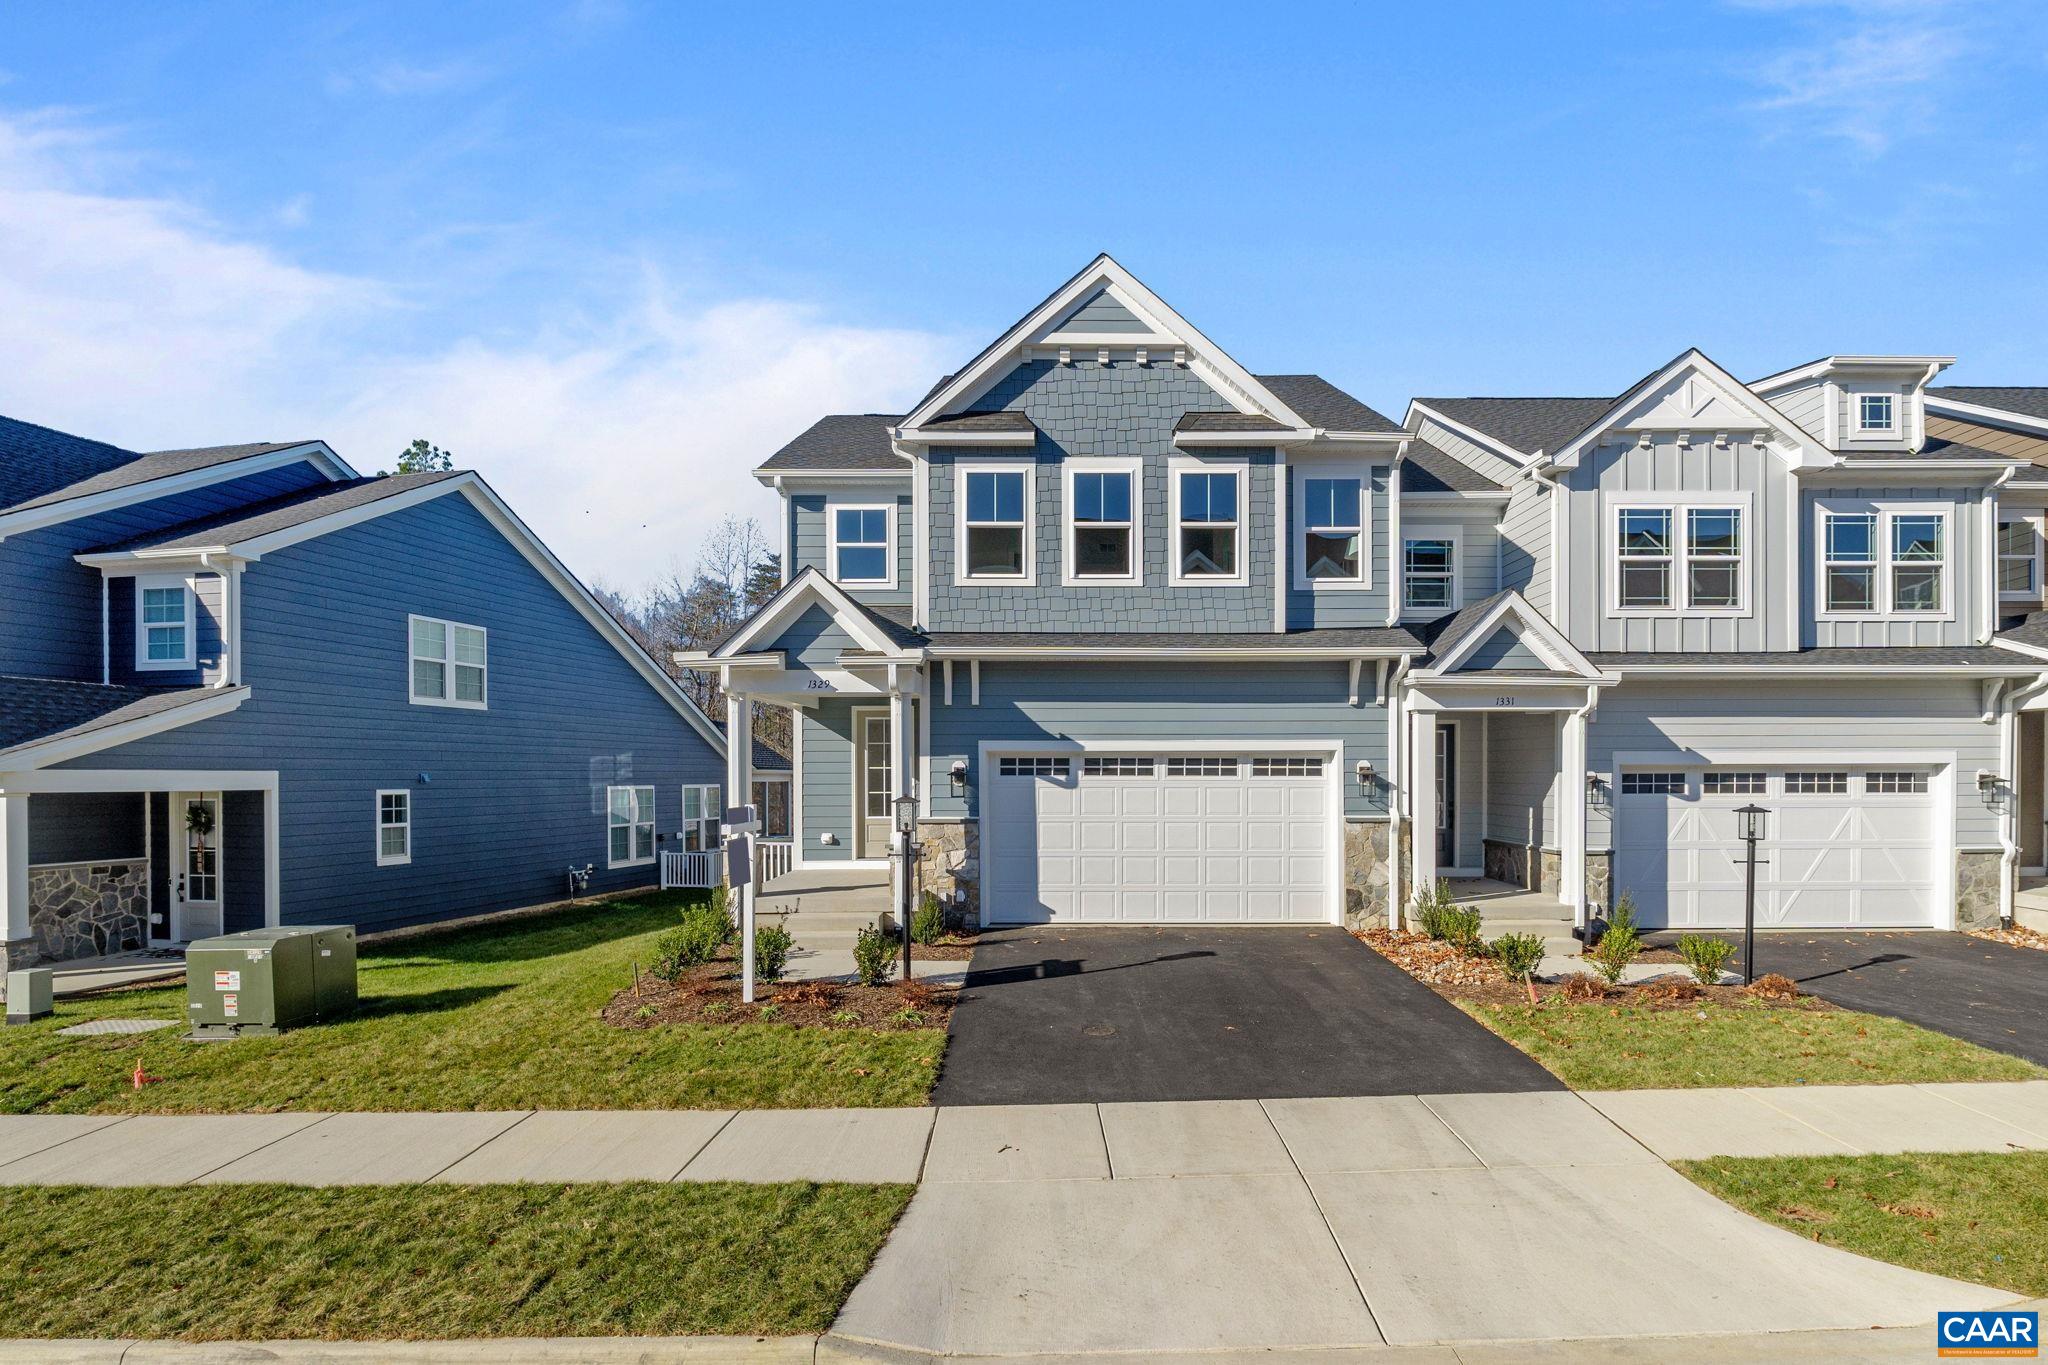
1429	470
1524	424
37	709
39	466
2026	401
1227	421
983	421
842	441
279	514
1325	405
2031	629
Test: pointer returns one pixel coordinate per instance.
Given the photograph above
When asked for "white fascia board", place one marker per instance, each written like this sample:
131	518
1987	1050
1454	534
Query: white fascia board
1246	439
1546	639
217	701
1454	499
1626	671
806	480
927	436
1472	434
1861	467
1827	365
1975	412
1814	452
808	588
1234	652
1115	341
91	504
2031	651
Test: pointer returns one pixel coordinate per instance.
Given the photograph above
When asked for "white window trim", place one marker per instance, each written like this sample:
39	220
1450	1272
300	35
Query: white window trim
1680	505
1029	469
1885	512
1455	535
2033	523
832	543
377	833
640	817
1190	464
190	660
1317	469
1889	429
709	810
1091	464
448	677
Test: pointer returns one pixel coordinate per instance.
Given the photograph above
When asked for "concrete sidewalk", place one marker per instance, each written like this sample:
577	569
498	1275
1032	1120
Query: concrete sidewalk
999	1143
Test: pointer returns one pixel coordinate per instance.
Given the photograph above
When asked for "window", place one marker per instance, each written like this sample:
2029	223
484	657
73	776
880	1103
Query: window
631	826
702	814
165	634
1733	784
1889	560
394	828
2019	571
1713	557
861	552
1653	784
771	799
1894	784
1875	411
1918	561
1850	564
1816	784
1102	506
1032	767
1206	521
1201	767
1287	767
449	663
1643	542
1429	570
995	520
1331	532
1116	767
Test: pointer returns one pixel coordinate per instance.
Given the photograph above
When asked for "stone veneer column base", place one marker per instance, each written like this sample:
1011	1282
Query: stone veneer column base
88	909
1979	890
1599	883
949	866
1366	871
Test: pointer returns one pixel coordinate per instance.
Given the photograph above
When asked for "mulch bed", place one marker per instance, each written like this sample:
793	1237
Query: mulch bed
710	994
2018	936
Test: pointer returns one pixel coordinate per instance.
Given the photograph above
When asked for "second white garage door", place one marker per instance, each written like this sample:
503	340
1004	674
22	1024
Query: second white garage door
1849	847
1158	839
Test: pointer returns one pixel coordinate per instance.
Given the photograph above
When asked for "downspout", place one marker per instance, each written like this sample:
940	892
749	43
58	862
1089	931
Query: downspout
1397	725
106	633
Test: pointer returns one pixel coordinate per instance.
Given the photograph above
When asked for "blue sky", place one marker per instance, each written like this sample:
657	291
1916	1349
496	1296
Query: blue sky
613	254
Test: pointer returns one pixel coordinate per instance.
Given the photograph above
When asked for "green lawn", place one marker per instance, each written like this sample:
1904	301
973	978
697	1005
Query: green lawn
495	1017
1979	1216
272	1261
1596	1046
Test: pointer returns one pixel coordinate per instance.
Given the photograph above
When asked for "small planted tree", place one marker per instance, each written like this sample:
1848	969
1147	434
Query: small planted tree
873	951
928	924
772	943
1705	957
1519	955
1620	944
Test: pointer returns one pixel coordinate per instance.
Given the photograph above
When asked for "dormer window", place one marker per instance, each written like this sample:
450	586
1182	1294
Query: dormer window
995	522
1208	519
1104	541
1876	413
165	626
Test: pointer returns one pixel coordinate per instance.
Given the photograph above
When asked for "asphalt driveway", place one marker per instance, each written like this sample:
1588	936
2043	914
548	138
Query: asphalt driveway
1970	988
1106	1013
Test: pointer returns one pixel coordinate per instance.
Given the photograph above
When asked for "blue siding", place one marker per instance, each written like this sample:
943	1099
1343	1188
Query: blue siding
1503	649
811	542
78	827
1100	312
53	604
826	733
504	800
814	640
208	615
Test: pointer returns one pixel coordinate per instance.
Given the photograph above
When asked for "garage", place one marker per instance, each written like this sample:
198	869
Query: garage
1159	838
1844	847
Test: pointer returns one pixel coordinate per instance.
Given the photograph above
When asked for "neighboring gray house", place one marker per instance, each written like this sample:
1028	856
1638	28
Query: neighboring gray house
1152	638
242	686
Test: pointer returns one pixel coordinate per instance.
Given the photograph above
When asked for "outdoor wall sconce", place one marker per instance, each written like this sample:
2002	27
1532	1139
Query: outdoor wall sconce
1365	772
1596	790
1990	787
958	774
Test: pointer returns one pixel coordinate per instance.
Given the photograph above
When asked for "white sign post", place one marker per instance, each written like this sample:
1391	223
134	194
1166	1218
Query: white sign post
740	823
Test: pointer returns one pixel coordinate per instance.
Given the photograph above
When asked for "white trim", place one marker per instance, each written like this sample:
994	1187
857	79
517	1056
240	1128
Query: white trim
1545	639
710	809
189	660
833	544
809	587
929	436
1978	413
1134	470
1238	440
636	818
378	827
1820	369
175	868
1240	465
1492	444
920	540
1681	506
1807	451
448	663
1027	469
1885	512
61	749
315	453
857	839
2033	520
1454	532
974	653
1355	471
1893	401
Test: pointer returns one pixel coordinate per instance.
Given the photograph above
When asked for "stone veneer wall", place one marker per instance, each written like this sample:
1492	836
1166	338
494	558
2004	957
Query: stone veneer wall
949	864
1367	867
1508	862
1599	881
86	910
1978	886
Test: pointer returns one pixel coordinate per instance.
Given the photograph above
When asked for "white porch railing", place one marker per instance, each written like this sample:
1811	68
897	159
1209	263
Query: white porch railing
682	869
772	858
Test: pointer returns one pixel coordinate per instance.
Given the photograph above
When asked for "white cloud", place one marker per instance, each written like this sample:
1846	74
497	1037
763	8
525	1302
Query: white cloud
621	440
1867	72
410	78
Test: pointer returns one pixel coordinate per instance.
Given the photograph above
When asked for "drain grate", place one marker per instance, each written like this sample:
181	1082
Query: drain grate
96	1027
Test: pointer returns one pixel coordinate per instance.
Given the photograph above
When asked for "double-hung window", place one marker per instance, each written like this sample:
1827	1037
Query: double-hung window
449	663
1849	562
1885	561
1713	557
861	552
629	826
394	827
1919	561
165	624
1429	569
771	799
1207	519
1331	531
701	816
1103	542
1876	413
2019	559
1680	556
995	522
1643	542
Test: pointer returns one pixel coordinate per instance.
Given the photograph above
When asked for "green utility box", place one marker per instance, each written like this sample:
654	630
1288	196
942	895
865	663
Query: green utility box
261	982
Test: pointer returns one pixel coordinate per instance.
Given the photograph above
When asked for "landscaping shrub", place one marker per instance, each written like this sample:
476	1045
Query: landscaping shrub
771	951
1705	956
1621	943
692	943
928	925
1447	922
1519	955
873	951
1430	906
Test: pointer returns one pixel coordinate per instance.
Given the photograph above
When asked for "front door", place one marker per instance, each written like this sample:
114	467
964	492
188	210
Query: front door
1446	795
196	834
871	783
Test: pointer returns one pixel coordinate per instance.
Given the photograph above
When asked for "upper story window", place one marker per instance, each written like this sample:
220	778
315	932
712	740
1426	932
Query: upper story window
1104	540
1681	556
863	551
1208	521
450	664
1876	412
629	826
2019	559
1331	528
1429	569
166	628
1884	561
995	521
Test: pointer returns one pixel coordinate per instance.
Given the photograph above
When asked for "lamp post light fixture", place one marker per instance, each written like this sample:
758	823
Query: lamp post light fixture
1751	827
904	809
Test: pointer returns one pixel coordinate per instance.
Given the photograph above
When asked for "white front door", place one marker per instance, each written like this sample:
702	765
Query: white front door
195	872
1850	846
1159	838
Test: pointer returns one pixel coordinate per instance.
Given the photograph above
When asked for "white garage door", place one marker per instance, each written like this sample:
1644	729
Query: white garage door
1159	839
1844	847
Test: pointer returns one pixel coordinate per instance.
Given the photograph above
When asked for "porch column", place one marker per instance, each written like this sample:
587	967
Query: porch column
1571	809
1421	772
739	755
13	872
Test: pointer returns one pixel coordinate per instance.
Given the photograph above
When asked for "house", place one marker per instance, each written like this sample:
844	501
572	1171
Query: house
244	686
1152	638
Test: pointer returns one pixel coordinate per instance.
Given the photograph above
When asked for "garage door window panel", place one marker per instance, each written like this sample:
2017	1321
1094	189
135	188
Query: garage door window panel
1816	784
1895	784
1653	784
1727	783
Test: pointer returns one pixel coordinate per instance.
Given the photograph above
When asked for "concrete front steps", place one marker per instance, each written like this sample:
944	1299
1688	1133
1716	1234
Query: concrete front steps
1507	909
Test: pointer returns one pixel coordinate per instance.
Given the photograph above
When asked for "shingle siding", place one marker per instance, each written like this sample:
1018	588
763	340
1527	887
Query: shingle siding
811	537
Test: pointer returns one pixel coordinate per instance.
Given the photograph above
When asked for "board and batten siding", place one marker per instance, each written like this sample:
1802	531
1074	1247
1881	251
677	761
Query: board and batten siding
1521	778
1151	707
1967	552
506	799
1310	609
52	623
811	537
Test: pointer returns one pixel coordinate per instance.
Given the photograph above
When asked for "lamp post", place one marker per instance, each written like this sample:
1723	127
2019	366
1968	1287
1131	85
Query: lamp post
905	809
1752	829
